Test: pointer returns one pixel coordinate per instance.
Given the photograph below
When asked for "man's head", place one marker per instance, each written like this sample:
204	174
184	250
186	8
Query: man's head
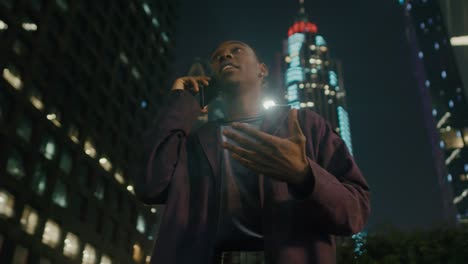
236	65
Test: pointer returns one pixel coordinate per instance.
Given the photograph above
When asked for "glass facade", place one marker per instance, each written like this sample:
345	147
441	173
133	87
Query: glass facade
72	87
312	76
444	102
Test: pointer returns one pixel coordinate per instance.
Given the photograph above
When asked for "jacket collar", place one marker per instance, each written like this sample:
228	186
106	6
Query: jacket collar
210	139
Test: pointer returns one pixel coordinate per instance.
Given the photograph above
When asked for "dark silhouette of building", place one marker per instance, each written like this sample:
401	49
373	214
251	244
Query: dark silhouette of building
445	110
80	80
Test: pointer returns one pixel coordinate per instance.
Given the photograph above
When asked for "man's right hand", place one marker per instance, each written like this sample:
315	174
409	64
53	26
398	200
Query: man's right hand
190	83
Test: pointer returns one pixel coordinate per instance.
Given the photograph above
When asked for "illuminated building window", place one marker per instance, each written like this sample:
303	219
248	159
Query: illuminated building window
15	165
141	227
89	255
24	130
420	54
54	117
427	83
59	196
451	104
105	260
71	246
21	255
89	148
443	74
165	37
99	192
65	162
119	177
51	235
323	48
73	134
39	180
333	78
11	75
35	98
436	46
295	105
310	104
137	253
29	26
146	8
123	58
7	204
135	73
449	178
3	25
294	74
320	41
451	139
155	22
302	105
292	92
148	260
312	47
105	163
48	148
434	112
62	4
29	220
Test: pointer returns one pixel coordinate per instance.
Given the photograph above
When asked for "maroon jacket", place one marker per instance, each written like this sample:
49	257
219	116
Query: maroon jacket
182	170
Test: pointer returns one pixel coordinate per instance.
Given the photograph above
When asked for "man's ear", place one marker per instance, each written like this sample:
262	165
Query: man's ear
263	70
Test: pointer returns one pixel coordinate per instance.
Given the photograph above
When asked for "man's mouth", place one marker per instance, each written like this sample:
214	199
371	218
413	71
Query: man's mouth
228	67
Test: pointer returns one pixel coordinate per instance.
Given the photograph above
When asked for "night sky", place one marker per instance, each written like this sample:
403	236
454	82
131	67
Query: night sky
388	135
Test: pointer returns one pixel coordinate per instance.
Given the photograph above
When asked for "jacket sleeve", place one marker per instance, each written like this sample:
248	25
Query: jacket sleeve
163	145
335	188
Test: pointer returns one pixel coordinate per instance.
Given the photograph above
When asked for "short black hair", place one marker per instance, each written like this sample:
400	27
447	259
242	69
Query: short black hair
259	58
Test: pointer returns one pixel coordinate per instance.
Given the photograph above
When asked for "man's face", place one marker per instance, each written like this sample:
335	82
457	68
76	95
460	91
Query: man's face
234	63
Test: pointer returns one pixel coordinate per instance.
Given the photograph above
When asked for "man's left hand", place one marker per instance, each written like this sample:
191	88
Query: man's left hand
281	158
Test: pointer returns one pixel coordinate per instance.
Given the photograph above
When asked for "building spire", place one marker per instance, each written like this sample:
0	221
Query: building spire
302	14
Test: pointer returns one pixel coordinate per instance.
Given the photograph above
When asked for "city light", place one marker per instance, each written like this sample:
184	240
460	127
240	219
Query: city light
456	41
268	103
3	26
105	163
29	26
36	102
13	79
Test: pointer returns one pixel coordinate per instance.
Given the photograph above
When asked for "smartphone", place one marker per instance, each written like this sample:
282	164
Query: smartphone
207	93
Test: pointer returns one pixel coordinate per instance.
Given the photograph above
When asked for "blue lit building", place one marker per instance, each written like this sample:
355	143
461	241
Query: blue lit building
445	109
312	78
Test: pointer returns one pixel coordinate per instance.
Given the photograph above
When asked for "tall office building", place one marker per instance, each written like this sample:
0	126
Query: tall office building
312	77
79	82
445	108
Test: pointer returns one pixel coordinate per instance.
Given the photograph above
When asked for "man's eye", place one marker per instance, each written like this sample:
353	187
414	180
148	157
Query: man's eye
236	50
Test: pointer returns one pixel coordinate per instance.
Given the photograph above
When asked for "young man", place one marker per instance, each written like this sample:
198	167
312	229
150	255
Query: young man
279	180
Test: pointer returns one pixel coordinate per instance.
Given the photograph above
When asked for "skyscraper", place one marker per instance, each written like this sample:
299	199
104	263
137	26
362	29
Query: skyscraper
445	110
312	77
80	80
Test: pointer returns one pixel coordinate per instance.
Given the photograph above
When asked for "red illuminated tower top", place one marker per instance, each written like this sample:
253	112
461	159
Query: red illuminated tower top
302	24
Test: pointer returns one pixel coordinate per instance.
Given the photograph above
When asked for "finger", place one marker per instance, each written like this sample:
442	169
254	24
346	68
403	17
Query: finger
293	124
194	85
248	154
257	134
247	143
254	166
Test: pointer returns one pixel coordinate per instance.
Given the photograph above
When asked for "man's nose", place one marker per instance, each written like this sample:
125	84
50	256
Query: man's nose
225	55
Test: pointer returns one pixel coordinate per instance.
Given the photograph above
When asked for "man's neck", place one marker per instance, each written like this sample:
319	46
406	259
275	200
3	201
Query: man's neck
243	105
